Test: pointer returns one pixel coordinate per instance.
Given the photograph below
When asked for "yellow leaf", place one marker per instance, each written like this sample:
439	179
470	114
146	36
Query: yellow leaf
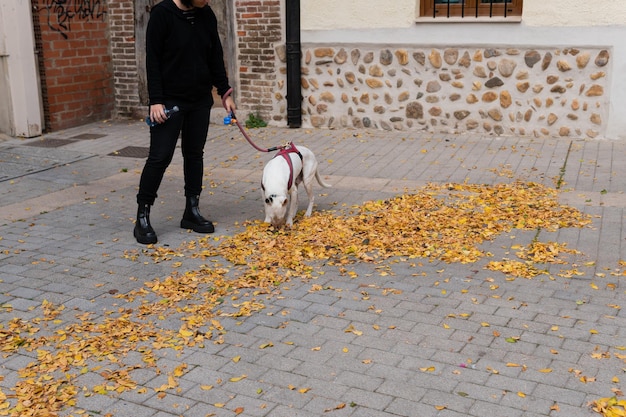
594	286
593	331
513	365
521	394
485	324
219	405
236	359
445	326
180	370
238	378
303	390
440	407
428	369
239	410
345	350
186	333
545	370
206	387
351	329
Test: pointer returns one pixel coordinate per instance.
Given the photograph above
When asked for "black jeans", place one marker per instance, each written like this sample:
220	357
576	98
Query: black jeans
191	123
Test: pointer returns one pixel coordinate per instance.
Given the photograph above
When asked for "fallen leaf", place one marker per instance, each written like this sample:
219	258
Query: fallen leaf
338	407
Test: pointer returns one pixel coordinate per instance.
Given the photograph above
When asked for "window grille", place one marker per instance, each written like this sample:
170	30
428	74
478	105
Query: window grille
441	9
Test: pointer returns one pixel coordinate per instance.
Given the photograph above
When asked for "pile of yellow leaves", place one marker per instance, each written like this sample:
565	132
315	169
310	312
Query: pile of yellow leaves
445	222
441	222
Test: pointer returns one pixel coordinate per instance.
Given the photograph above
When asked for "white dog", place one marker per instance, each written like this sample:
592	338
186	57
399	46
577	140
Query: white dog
279	186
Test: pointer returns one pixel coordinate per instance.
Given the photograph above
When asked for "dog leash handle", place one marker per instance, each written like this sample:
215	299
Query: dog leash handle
231	118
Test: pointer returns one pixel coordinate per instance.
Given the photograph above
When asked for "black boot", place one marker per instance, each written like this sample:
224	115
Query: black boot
192	219
144	233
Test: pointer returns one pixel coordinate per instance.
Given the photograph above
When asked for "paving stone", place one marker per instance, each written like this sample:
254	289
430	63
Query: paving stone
76	250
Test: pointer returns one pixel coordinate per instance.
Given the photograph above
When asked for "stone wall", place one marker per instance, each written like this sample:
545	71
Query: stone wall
528	92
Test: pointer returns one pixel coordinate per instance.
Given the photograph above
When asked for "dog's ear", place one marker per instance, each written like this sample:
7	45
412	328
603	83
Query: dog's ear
285	202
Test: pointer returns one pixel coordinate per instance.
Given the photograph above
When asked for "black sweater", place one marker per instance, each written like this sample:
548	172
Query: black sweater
184	60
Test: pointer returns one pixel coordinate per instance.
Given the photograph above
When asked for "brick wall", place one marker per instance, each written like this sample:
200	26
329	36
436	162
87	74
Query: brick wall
92	70
123	59
259	29
77	78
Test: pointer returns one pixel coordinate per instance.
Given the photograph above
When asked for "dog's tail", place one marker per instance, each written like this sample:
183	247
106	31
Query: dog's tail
321	181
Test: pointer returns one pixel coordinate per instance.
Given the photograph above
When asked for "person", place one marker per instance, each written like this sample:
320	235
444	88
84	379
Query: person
184	61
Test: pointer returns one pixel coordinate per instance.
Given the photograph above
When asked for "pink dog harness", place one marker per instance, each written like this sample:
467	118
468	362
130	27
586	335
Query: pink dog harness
284	152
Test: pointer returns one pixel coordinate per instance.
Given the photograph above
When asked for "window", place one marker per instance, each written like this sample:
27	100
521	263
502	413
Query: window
470	8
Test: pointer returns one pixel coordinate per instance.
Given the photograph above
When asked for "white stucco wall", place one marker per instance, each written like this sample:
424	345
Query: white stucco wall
368	14
574	12
355	14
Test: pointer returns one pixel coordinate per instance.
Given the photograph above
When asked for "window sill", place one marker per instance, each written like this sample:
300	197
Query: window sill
469	19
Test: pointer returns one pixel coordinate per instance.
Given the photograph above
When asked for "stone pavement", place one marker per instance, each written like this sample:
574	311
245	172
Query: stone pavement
413	342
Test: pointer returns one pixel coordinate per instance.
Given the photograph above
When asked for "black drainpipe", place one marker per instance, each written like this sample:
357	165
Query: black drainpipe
294	56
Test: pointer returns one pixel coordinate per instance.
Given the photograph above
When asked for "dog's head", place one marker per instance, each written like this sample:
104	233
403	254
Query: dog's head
276	209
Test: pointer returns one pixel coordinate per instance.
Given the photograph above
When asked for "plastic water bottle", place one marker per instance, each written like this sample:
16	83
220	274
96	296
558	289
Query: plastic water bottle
168	113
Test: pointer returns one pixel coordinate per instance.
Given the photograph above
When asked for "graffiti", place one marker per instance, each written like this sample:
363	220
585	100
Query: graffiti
61	13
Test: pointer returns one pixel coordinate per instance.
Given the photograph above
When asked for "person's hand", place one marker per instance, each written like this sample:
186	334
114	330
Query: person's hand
229	104
157	113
